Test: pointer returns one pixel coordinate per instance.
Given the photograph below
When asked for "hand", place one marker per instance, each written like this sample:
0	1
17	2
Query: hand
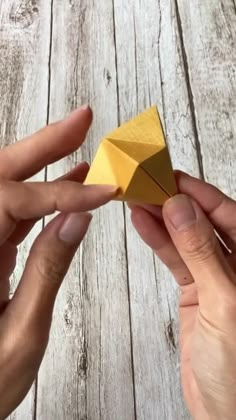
25	320
183	237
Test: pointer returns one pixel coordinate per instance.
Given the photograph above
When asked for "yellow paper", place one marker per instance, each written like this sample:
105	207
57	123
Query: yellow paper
136	159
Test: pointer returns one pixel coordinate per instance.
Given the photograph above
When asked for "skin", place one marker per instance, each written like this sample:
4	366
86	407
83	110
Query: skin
206	273
25	320
182	234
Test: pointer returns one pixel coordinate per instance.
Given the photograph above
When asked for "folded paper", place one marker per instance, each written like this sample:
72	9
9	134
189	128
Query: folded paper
136	159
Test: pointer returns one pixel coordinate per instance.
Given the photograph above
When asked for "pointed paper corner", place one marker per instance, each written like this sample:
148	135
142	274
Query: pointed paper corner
160	168
136	150
135	157
144	128
101	171
143	189
111	166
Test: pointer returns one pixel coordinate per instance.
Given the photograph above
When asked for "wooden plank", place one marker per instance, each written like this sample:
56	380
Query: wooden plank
87	373
208	31
24	38
89	329
147	75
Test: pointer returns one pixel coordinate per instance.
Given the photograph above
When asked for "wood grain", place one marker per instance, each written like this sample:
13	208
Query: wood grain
208	33
147	76
24	39
88	368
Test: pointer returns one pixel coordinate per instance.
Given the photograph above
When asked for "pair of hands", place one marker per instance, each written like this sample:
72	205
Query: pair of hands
182	235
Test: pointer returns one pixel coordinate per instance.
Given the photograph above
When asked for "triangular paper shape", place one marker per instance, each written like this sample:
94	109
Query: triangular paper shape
137	151
160	169
109	157
136	159
145	128
145	195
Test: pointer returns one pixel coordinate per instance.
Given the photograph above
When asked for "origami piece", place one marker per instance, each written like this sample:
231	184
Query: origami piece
136	159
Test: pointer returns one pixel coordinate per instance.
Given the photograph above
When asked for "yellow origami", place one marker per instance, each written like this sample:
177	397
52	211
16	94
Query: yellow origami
136	159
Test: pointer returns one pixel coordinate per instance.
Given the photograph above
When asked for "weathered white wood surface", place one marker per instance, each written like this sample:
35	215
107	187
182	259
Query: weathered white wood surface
24	46
209	39
89	363
113	352
142	65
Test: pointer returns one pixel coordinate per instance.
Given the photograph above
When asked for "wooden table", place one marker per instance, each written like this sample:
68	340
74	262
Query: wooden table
113	352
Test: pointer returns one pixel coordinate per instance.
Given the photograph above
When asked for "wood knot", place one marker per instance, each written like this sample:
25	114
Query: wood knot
107	77
68	314
170	336
23	15
83	361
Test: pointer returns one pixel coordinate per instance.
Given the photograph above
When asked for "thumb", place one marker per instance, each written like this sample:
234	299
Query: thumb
197	244
48	262
26	322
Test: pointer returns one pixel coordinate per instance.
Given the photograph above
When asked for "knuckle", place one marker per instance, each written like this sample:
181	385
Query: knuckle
50	269
4	186
59	193
223	305
201	247
174	264
228	303
55	190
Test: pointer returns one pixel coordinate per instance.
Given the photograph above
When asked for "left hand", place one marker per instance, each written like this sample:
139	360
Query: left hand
25	320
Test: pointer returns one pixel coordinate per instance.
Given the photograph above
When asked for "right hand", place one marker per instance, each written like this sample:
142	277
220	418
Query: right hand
183	236
25	319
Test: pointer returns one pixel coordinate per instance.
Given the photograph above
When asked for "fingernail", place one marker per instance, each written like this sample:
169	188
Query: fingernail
130	205
74	227
76	111
180	212
83	164
85	107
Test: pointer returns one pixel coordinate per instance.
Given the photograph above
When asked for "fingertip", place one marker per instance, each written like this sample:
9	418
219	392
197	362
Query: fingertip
82	116
180	212
178	173
74	129
69	228
82	166
154	210
87	113
149	228
104	190
187	183
134	214
95	196
84	109
74	228
87	110
139	216
132	206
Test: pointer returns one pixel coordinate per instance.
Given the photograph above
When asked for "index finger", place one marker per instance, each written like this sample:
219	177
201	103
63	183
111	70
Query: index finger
219	208
22	160
25	201
78	174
